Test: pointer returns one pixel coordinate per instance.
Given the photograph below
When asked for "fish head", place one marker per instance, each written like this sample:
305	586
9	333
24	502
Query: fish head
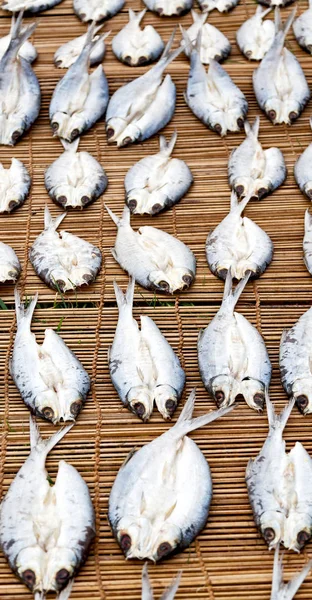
48	406
235	118
217	122
137	200
114	128
291	111
60	568
308	189
253	392
297	530
224	390
8	272
171	7
274	110
243	186
272	525
11	128
166	399
177	279
30	567
70	403
59	124
166	541
141	401
134	537
302	392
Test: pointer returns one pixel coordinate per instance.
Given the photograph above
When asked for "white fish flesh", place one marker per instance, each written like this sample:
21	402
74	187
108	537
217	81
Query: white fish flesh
14	186
213	97
29	6
27	51
67	54
303	171
286	591
135	46
97	10
147	590
238	245
143	367
75	179
169	8
139	109
19	88
49	377
279	82
80	98
46	530
220	5
161	496
157	260
302	27
232	357
295	361
256	36
63	261
252	171
10	266
158	181
213	43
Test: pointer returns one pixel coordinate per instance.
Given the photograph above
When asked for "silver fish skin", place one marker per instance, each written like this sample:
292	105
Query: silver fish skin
142	107
67	54
10	266
14	186
220	5
63	261
75	179
307	241
273	80
27	51
213	97
269	479
97	10
303	171
169	8
19	88
299	520
255	36
135	46
147	590
143	367
80	98
238	245
157	182
281	590
46	531
252	171
232	357
161	496
294	361
302	27
29	6
157	260
51	380
213	43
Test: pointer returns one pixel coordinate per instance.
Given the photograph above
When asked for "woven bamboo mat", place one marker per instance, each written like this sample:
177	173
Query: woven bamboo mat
229	560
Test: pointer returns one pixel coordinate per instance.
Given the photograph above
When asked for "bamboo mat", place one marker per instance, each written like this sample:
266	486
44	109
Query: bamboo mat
229	560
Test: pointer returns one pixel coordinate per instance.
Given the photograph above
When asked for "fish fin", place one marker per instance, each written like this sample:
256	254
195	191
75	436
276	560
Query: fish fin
186	38
264	11
185	424
124	219
21	311
167	147
277	20
202	17
171	591
279	26
255	126
112	215
114	254
46	445
133	16
127	298
90	34
19	35
50	223
229	295
169	55
247	128
307	219
128	457
72	146
274	419
109	349
147	590
65	593
235	204
294	584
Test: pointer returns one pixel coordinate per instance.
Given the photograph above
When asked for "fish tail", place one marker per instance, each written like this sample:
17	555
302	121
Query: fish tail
45	446
50	223
133	16
171	591
264	11
167	147
22	312
147	590
168	55
231	298
186	423
279	27
288	591
65	593
274	419
255	127
240	205
73	146
19	35
119	221
125	300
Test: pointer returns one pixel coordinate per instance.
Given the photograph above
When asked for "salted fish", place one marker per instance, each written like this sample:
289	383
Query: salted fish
232	357
302	27
147	590
220	5
75	179
158	181
10	266
143	367
253	171
256	36
279	82
303	170
157	260
30	6
169	8
139	109
27	50
67	54
80	98
97	10
46	529
14	186
213	97
19	87
62	260
135	46
213	43
286	591
238	245
161	496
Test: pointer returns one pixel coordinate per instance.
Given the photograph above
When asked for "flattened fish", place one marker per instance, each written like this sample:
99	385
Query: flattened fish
75	179
80	98
139	109
143	367
303	170
135	46
10	266
147	590
232	357
49	377
302	27
238	245
220	5
27	50
46	530
169	8
14	186
63	261
30	6
97	10
256	36
286	591
161	496
157	182
19	88
213	44
157	260
253	171
67	54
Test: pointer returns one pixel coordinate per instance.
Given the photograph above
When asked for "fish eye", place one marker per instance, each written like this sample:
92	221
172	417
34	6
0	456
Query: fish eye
218	128
61	284
219	396
272	115
74	134
163	549
85	200
164	285
15	136
239	190
240	122
126	141
55	126
125	542
218	57
62	200
259	400
13	205
303	537
87	277
269	534
127	60
160	11
170	406
156	208
292	116
110	132
187	279
132	204
76	407
139	409
62	576
142	60
248	53
302	402
29	577
48	413
262	192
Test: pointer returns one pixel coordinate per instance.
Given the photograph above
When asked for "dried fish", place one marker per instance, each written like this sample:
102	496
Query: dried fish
303	171
256	36
213	44
97	10
27	50
67	54
302	27
169	8
10	266
135	46
286	591
220	5
14	186
30	6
